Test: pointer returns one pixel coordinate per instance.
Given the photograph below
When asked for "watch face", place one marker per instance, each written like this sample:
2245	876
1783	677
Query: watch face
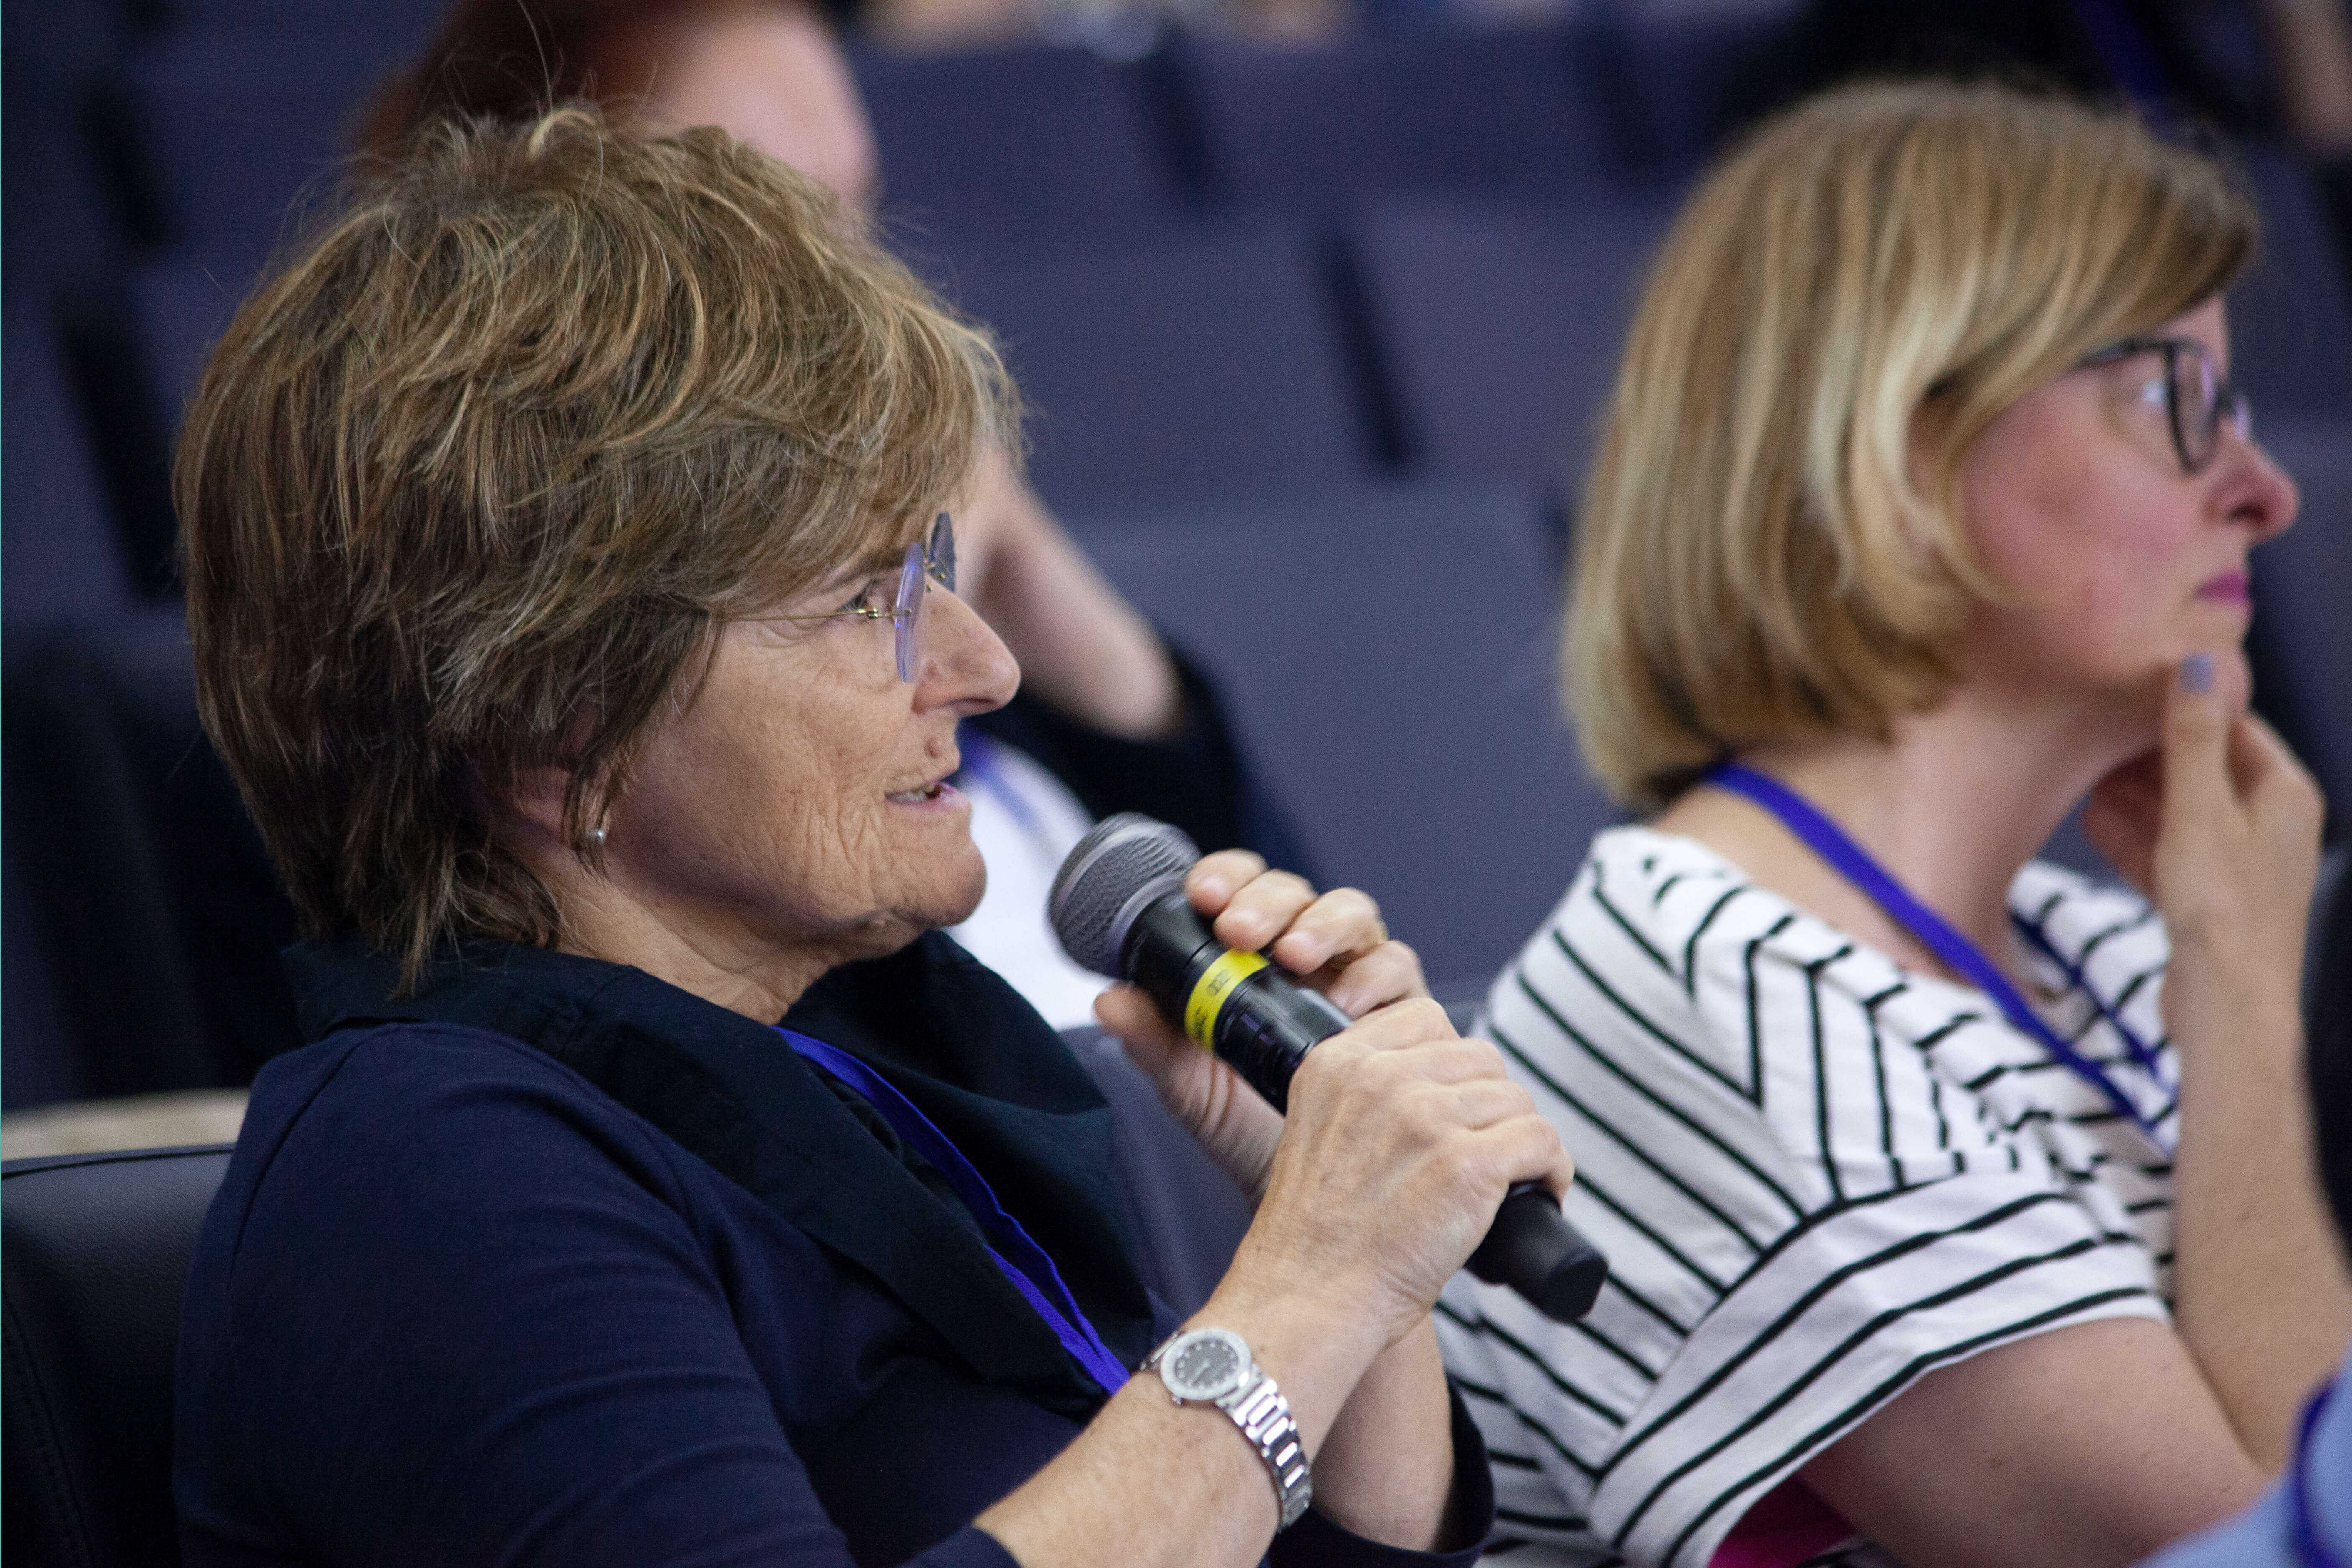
1207	1365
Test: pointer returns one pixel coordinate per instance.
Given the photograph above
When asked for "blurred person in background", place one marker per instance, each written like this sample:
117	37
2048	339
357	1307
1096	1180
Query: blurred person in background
1960	1210
1116	30
573	598
1109	718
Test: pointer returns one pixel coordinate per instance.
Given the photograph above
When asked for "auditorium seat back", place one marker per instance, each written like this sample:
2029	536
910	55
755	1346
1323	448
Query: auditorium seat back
1177	366
405	23
40	1063
1502	323
1506	112
95	1251
151	879
2291	315
233	140
1389	659
60	221
64	557
141	341
1677	82
1052	139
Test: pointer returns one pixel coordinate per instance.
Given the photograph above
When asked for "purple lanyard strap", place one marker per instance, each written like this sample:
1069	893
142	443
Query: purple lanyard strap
1964	958
2303	1530
1060	1310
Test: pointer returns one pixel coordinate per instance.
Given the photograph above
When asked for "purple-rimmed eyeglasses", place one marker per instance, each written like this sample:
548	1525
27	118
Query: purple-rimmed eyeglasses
2197	396
929	561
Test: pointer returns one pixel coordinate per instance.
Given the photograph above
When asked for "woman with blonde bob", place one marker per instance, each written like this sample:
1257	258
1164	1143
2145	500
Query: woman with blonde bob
574	598
1962	1211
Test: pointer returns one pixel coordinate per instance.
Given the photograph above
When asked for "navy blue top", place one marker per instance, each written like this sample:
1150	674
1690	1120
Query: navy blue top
555	1263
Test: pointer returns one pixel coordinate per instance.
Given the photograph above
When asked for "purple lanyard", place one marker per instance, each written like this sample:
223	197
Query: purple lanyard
1962	955
1069	1324
2301	1529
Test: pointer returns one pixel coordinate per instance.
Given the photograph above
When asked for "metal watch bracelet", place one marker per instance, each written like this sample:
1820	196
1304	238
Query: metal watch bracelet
1213	1366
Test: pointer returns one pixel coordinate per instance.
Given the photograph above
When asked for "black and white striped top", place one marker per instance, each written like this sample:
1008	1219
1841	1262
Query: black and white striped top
1817	1176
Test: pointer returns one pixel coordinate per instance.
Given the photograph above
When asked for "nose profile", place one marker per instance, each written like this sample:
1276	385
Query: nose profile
2261	494
962	662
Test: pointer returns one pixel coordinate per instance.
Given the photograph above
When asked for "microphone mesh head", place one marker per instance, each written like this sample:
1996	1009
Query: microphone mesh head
1107	879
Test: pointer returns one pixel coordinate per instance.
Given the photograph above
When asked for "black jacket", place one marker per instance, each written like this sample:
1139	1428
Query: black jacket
554	1262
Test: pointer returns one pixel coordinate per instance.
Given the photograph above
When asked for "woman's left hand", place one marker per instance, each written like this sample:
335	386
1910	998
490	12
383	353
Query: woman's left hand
2220	827
1334	942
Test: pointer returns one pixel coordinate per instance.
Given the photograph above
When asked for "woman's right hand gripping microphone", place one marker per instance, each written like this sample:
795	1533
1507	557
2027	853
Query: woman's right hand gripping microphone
1393	1115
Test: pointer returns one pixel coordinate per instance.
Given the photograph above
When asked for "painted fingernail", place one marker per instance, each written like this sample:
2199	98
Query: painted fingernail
2197	673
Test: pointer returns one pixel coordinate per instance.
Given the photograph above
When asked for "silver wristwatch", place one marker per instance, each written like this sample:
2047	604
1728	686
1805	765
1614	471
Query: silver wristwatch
1213	1366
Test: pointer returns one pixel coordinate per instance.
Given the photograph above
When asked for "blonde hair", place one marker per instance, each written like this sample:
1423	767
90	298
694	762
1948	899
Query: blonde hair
1754	560
470	485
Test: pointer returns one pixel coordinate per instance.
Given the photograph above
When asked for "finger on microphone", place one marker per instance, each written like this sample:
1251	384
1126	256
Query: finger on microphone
1390	973
1561	1176
1262	909
1215	878
1342	925
1526	1148
1483	1102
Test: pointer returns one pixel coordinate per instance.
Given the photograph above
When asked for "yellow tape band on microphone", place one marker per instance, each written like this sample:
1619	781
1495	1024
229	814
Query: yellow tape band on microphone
1209	994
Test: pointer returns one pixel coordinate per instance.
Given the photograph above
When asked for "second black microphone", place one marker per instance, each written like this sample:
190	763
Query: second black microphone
1120	909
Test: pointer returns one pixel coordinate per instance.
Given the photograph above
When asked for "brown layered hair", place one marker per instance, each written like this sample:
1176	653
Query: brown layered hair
1757	558
470	485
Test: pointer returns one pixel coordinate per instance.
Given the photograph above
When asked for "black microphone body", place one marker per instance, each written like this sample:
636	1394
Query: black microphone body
1263	1024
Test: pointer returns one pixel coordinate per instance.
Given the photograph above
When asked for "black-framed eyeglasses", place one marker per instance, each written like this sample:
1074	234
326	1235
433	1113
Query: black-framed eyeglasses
2197	396
928	560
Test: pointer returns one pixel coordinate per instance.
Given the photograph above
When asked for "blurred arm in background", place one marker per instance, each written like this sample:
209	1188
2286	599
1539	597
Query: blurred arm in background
2312	45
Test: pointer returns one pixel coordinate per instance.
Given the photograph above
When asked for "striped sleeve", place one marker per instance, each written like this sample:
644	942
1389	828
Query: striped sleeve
1846	1312
1929	1228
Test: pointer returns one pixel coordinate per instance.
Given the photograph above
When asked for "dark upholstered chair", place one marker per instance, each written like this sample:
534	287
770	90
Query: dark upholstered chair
1029	138
1502	322
2291	315
1389	659
65	558
97	1253
232	139
1174	367
1507	112
94	1257
162	906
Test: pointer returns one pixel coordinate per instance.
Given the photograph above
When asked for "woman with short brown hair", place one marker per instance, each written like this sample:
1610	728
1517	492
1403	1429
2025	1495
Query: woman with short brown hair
574	599
1110	717
1960	1210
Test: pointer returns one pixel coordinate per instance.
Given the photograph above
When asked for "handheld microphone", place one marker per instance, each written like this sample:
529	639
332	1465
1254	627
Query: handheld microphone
1118	907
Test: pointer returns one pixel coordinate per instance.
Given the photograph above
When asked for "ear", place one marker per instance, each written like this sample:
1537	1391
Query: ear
527	810
535	797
